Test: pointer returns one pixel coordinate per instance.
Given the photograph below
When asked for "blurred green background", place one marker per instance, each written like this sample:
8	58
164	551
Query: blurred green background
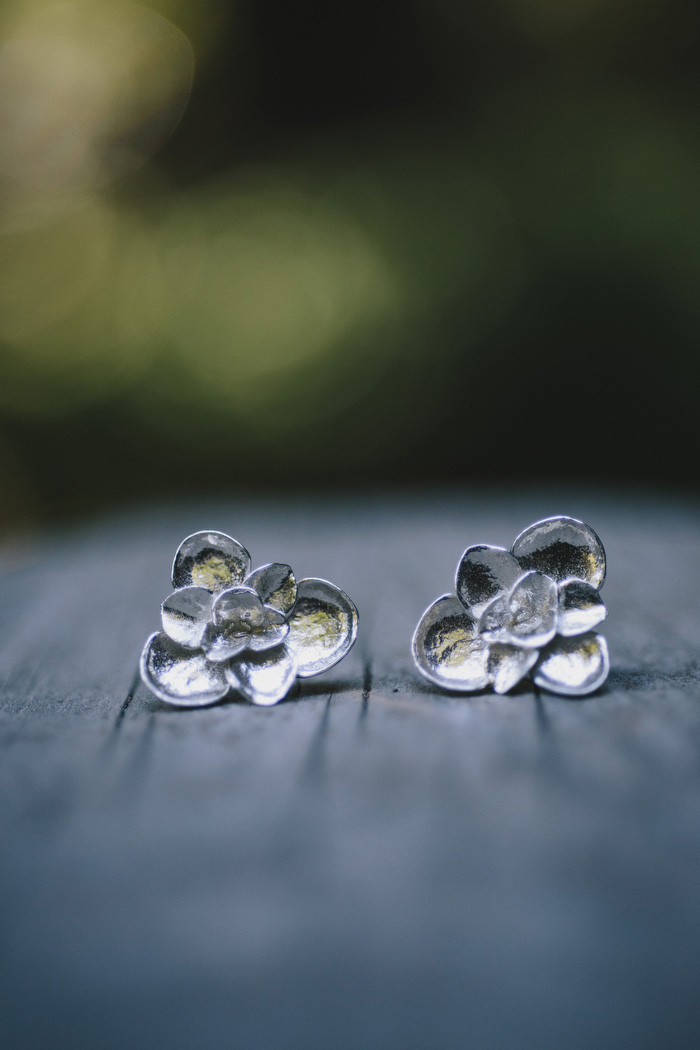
257	244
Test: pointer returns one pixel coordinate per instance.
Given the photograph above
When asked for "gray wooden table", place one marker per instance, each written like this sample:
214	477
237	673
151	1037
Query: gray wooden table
371	864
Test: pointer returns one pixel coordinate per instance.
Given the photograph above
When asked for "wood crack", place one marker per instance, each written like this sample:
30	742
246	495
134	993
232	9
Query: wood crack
127	701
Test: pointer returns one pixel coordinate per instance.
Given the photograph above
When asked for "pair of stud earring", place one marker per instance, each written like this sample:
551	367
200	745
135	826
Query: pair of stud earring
531	610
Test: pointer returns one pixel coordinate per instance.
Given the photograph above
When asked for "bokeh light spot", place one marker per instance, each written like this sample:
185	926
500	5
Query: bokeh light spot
88	92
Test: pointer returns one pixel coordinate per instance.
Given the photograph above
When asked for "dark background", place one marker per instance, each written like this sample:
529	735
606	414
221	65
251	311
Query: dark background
387	242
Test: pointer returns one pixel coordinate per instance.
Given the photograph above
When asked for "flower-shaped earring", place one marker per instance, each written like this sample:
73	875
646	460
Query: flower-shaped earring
530	609
225	627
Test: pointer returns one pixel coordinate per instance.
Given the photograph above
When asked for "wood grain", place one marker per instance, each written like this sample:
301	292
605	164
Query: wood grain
371	864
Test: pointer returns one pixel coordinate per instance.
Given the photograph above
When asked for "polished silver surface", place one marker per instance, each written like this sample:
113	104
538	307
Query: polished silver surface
508	664
185	615
264	678
493	623
273	634
222	643
532	605
502	622
240	621
447	647
179	676
276	585
322	626
483	573
526	616
212	560
580	608
227	627
241	609
563	548
574	666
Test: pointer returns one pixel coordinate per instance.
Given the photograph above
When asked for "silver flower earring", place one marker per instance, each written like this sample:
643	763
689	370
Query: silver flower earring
532	609
227	628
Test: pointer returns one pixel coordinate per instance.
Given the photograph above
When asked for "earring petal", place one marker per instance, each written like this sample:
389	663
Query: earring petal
483	574
322	626
276	585
508	665
212	560
179	676
263	678
185	615
574	666
273	635
562	548
580	608
223	643
447	648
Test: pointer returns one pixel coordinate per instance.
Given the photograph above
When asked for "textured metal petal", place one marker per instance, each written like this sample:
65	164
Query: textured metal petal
533	606
447	648
562	548
221	643
276	585
526	616
185	614
574	666
508	664
273	635
179	676
274	615
495	620
263	678
212	560
580	608
241	609
483	573
322	626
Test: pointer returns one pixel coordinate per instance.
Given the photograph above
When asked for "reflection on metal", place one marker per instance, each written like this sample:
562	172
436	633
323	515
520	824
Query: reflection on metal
227	627
530	609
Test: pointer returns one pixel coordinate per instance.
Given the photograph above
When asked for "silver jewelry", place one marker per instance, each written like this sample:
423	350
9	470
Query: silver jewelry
530	610
227	628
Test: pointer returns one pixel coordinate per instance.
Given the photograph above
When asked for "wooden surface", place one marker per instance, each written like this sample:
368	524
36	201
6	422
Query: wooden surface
372	864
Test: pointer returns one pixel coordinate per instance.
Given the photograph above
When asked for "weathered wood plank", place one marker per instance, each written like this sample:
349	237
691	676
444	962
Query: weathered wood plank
372	863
